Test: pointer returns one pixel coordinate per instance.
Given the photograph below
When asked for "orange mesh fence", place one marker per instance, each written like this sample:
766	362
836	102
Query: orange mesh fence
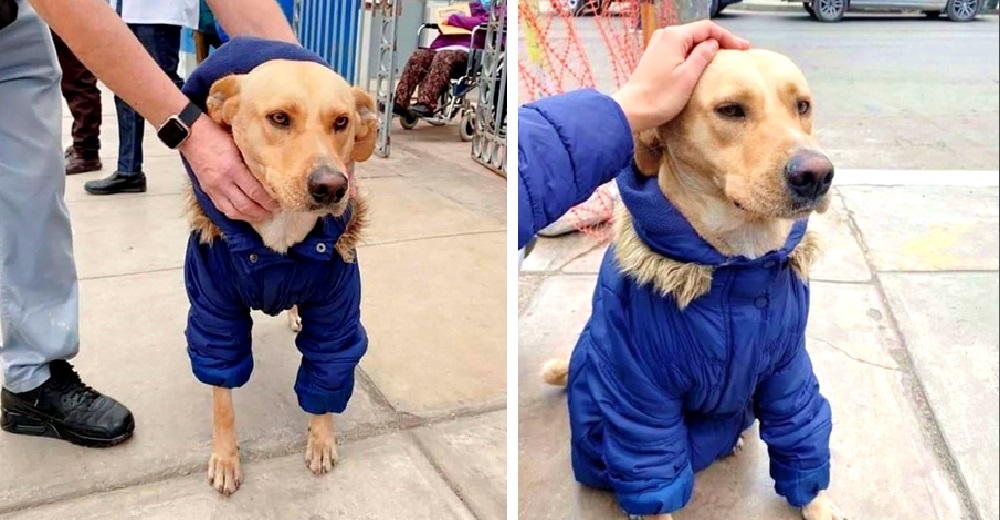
572	44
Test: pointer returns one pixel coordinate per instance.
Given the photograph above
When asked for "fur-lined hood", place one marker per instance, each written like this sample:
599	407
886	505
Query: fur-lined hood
662	228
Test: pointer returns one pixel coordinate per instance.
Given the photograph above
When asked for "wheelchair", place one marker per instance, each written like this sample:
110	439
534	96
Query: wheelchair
455	100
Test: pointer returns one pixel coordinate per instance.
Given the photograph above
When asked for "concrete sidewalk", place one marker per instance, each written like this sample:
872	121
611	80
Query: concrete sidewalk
904	338
424	436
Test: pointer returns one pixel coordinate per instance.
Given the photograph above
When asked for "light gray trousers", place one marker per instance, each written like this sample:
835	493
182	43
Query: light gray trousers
38	287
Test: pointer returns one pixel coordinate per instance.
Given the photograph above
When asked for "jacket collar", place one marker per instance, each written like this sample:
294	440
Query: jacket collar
241	237
664	229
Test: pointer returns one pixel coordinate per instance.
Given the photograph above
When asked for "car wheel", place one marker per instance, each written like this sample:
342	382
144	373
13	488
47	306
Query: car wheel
579	7
932	14
963	10
829	10
809	9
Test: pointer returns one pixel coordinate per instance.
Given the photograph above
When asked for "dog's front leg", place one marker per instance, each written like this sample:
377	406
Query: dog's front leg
321	444
822	508
224	465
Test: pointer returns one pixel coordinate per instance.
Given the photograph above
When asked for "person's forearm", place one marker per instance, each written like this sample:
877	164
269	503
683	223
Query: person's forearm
99	38
261	18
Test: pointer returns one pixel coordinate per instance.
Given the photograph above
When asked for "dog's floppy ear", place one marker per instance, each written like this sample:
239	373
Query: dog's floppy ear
224	99
648	152
366	129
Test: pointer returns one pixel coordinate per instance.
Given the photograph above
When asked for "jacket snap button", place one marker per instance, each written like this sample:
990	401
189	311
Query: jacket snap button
760	302
253	258
320	247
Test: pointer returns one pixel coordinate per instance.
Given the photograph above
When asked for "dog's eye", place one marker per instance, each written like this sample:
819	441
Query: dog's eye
804	107
731	111
279	119
340	123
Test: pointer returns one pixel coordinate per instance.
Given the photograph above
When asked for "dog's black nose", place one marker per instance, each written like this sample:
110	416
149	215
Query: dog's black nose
327	185
809	175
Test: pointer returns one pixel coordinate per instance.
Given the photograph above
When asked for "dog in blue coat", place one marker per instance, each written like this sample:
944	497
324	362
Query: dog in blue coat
300	128
698	321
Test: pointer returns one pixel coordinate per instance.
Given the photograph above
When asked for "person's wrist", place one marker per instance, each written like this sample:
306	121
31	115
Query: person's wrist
625	97
197	128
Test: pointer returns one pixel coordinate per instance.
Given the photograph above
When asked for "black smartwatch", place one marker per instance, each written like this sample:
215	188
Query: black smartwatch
177	128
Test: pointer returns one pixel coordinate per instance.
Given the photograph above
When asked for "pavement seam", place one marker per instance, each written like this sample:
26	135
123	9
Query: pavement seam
402	423
933	435
450	235
362	246
851	356
452	485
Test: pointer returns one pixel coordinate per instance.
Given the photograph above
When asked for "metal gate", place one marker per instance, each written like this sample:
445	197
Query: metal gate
489	143
330	28
385	14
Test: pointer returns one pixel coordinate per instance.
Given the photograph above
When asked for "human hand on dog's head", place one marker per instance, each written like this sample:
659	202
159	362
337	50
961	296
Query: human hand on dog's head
223	175
668	70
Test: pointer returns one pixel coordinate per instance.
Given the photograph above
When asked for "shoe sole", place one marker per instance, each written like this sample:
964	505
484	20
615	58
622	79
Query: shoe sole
22	424
96	168
114	192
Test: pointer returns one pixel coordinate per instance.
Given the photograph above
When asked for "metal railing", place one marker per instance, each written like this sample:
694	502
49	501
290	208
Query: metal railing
489	142
385	14
330	28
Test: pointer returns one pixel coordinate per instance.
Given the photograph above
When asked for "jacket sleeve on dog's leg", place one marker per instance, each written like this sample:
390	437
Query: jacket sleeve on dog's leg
332	342
218	327
647	451
795	422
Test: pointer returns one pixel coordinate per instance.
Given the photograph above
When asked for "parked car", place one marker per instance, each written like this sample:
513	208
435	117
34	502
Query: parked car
834	10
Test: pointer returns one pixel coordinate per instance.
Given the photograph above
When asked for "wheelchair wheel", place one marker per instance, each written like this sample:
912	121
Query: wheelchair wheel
409	122
468	127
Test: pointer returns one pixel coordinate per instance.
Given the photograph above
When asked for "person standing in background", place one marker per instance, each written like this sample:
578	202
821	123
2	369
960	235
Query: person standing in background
79	89
207	36
157	25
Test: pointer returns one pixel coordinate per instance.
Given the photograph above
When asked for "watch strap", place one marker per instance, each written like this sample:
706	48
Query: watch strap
189	114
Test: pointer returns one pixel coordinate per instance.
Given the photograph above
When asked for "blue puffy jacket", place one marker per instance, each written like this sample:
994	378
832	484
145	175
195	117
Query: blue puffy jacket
656	393
228	278
567	146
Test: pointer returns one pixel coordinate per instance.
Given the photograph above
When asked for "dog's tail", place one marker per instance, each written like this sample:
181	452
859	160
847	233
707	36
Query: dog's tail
556	371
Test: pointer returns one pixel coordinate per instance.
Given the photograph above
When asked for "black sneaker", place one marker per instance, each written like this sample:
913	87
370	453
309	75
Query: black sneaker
65	408
117	183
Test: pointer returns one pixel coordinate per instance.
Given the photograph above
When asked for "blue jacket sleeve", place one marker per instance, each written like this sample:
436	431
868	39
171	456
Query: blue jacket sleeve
567	146
795	423
332	342
219	325
646	446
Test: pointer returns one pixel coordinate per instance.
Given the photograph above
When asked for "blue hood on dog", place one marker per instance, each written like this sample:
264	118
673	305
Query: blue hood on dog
666	231
231	276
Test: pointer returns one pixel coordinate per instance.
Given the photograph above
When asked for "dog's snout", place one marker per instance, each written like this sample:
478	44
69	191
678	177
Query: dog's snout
327	185
809	175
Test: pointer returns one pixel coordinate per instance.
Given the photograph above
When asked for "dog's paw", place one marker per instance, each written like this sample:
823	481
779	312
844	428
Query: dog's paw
294	321
740	443
739	446
822	508
224	470
321	445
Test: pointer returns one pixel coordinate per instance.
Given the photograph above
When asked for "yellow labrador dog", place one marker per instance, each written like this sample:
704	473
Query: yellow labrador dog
300	127
698	322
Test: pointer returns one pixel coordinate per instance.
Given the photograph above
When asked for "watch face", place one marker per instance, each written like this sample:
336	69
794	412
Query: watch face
172	133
